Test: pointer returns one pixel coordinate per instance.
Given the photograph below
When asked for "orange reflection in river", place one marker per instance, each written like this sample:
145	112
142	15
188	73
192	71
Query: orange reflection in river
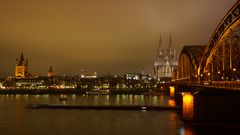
172	91
171	103
188	100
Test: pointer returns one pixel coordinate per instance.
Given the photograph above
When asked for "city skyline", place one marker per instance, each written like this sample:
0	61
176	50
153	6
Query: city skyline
72	36
113	67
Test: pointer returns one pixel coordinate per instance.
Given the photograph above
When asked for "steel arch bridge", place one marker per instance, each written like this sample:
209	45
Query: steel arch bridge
220	59
189	62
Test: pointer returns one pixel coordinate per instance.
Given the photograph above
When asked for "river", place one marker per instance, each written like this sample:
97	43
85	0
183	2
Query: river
15	119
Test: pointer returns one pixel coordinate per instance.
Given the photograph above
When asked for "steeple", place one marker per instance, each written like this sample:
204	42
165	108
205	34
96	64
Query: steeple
21	57
170	46
160	50
50	72
170	50
21	60
50	69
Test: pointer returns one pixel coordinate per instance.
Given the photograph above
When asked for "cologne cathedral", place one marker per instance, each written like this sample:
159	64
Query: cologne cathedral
165	62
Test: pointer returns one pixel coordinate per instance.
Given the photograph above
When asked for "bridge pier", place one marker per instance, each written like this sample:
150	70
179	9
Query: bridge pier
211	106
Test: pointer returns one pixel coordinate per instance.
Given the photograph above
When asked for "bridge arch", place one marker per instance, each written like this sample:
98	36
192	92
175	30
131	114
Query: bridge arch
221	59
188	63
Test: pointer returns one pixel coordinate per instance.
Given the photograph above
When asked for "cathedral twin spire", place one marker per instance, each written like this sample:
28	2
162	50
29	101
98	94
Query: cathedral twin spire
170	50
160	50
165	63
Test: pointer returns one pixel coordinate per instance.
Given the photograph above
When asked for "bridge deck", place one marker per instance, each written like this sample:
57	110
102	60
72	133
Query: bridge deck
224	85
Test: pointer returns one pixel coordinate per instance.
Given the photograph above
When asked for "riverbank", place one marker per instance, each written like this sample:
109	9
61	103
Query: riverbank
41	91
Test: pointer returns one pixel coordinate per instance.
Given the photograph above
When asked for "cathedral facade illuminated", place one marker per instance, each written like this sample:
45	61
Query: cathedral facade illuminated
165	61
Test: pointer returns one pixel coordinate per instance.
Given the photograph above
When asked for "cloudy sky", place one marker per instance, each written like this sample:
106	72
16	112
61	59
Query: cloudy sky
106	36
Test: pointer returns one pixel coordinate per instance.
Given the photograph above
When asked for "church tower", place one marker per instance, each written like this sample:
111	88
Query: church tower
50	72
158	63
21	67
160	54
171	51
164	64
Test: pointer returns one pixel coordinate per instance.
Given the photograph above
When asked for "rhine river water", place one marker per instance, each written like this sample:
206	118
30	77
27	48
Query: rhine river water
15	119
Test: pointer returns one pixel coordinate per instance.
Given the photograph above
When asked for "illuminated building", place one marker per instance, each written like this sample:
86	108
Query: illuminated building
50	72
132	76
165	63
21	67
89	76
1	86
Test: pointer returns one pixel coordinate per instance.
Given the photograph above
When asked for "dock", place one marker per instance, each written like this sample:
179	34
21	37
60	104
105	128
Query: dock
102	107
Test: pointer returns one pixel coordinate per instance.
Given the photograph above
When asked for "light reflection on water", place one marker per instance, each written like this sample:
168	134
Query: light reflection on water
73	99
16	119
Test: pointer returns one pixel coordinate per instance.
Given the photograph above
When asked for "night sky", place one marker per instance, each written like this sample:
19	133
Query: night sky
106	36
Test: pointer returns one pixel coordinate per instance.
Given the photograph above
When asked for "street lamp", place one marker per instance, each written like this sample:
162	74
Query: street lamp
234	73
209	78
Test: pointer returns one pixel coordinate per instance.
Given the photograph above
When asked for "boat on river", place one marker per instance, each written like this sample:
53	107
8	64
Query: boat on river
63	98
98	92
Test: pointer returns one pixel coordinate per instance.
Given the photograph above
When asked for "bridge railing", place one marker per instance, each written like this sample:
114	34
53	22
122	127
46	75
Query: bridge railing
233	85
228	85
